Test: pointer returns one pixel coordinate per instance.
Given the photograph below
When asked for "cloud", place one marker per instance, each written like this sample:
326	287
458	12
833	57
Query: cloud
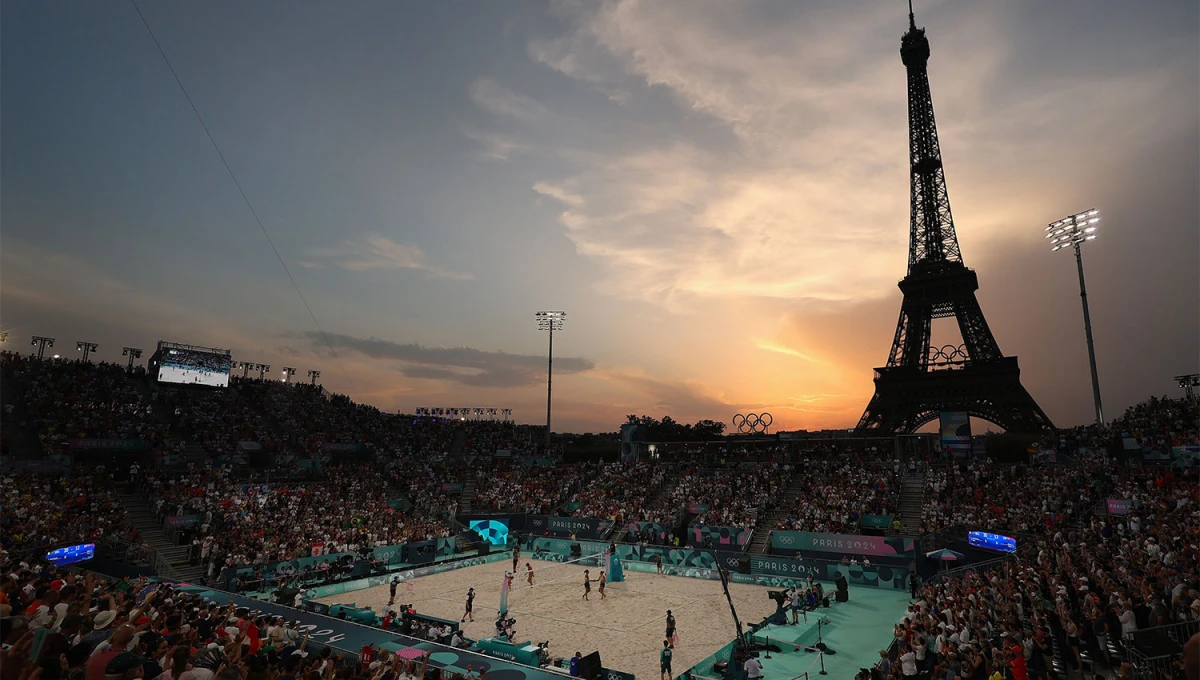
496	147
784	170
377	253
558	193
464	365
496	98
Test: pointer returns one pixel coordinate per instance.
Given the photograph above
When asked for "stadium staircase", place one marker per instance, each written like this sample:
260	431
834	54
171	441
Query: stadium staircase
175	557
760	542
912	503
467	497
619	534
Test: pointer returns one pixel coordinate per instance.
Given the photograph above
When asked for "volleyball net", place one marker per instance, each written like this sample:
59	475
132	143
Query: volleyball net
568	572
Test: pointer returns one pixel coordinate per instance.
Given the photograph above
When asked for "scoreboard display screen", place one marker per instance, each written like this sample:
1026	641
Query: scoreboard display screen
71	554
989	541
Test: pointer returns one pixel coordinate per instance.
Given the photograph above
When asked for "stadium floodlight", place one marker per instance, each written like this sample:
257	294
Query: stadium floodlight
288	372
42	342
244	365
1189	383
1072	232
132	353
3	336
312	377
262	370
550	321
85	347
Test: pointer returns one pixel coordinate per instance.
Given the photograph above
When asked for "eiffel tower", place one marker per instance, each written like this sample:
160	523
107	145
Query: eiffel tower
921	380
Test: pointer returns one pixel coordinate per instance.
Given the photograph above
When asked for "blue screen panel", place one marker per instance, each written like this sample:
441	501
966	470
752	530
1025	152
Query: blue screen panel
997	542
494	531
71	554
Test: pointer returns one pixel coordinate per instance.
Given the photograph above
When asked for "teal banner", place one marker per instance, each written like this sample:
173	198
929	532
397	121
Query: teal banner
876	521
343	448
775	572
399	504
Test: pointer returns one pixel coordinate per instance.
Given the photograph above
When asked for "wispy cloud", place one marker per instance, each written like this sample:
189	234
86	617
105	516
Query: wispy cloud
496	146
783	349
496	98
463	365
558	193
793	182
377	253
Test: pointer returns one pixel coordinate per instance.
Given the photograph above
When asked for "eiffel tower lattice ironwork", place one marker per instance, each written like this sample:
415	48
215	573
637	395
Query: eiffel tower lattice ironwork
921	380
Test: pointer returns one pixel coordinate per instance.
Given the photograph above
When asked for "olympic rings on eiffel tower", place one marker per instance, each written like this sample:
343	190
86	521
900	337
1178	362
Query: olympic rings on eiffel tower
752	422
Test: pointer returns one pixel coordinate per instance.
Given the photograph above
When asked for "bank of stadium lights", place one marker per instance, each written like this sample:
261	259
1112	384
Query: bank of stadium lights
1189	383
86	347
42	342
1072	232
550	321
288	372
312	377
262	370
3	336
133	353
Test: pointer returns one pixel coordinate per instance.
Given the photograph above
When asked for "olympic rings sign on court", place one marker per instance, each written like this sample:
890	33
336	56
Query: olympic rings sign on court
752	422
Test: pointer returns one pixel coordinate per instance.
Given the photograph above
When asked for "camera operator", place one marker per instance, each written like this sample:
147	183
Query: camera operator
505	628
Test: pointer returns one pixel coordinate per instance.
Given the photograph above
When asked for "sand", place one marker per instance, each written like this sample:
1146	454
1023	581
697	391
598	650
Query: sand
627	628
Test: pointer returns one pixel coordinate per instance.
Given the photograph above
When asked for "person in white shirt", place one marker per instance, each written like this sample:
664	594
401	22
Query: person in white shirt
908	663
753	669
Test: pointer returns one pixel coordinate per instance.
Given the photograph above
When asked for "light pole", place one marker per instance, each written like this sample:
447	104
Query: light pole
312	376
42	343
132	353
262	370
550	321
85	347
1189	383
288	372
1071	232
3	336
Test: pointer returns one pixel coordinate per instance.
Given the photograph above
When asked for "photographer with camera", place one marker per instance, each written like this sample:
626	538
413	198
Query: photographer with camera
505	628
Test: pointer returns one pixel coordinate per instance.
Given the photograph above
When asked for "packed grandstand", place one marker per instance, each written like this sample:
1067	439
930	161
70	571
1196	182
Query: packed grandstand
347	479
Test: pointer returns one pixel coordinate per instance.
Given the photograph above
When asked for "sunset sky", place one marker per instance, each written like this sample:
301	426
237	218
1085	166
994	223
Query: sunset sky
715	191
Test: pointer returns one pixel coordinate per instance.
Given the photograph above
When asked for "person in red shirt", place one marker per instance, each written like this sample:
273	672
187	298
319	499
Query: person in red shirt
1019	670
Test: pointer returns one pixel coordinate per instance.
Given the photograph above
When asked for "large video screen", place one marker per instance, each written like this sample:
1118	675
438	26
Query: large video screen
494	531
987	541
956	434
194	368
71	554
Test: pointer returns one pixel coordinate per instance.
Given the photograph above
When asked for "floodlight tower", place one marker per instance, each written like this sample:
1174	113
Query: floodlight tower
550	321
1072	232
133	353
42	343
313	375
85	347
1189	383
3	336
262	370
288	372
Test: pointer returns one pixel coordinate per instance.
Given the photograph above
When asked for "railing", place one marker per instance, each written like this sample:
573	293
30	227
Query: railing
749	540
978	567
1160	667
